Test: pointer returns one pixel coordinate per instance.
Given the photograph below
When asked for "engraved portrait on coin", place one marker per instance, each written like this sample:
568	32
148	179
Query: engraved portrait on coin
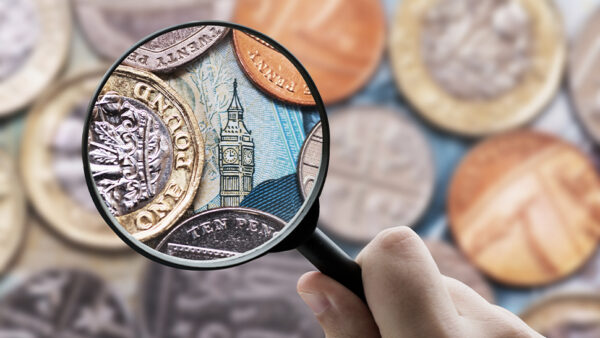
145	152
64	303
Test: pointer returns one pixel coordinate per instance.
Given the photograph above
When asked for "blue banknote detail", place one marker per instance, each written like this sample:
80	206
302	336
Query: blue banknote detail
280	197
278	130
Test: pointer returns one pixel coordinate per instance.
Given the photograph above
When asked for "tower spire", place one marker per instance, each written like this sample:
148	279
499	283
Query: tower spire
235	109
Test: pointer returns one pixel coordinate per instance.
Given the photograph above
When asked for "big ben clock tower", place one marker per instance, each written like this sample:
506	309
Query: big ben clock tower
236	155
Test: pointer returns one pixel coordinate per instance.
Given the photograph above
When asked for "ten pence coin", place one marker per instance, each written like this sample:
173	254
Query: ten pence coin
476	67
35	36
525	208
339	42
52	166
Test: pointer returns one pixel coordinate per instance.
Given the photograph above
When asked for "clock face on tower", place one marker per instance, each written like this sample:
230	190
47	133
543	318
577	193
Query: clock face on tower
247	157
230	155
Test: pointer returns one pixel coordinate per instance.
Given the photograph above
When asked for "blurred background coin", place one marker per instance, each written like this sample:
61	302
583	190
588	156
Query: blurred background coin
271	70
175	48
339	42
453	264
525	208
583	77
477	67
257	299
145	152
112	27
380	173
64	303
566	315
35	37
310	159
12	209
52	167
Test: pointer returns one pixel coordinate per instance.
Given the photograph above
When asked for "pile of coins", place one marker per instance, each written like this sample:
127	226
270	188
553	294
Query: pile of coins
460	129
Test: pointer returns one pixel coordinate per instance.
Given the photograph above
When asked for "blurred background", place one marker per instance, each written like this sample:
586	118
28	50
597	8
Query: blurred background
64	274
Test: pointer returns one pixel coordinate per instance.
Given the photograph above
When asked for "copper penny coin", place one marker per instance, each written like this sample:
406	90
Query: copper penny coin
453	264
310	159
566	315
583	79
525	208
271	70
380	174
339	42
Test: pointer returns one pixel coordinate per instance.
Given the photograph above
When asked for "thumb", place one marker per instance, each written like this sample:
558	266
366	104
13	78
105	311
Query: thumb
340	312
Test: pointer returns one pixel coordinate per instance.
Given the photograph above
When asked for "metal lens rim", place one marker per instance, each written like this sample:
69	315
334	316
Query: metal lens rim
176	262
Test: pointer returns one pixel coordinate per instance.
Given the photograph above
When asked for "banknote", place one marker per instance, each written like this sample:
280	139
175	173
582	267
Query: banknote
221	95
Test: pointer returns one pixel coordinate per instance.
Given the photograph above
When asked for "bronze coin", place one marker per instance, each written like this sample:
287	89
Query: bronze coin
271	70
453	264
339	42
525	208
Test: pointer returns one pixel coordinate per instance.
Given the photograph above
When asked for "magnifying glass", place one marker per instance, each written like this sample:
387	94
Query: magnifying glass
206	146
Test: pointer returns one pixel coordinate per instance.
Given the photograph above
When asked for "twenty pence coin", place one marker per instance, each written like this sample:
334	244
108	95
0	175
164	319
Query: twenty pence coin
525	208
310	159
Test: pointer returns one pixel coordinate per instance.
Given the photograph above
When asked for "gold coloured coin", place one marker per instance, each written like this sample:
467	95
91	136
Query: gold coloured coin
34	35
145	152
52	166
476	67
12	209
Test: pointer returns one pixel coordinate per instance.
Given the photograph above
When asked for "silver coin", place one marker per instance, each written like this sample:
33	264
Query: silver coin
112	27
64	303
257	299
20	29
175	48
220	233
130	152
380	173
310	159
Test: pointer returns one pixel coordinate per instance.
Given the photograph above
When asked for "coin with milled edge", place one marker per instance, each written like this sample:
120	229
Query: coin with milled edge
145	152
257	299
565	315
35	36
64	303
112	27
220	233
52	166
271	70
583	79
524	207
453	264
339	42
476	67
175	48
310	159
12	209
380	173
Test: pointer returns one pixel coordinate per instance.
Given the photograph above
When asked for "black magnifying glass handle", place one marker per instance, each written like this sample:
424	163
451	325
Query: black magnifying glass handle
331	260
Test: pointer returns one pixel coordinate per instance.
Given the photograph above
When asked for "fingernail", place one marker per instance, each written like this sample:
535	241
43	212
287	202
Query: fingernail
317	302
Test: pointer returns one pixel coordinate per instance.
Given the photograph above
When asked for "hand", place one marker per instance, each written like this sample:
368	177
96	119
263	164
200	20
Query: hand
407	296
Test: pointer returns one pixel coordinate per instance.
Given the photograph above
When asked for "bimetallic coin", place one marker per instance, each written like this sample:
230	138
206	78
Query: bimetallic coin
453	264
380	173
220	233
310	159
257	299
145	152
34	35
175	48
525	208
52	166
271	70
64	303
565	315
478	67
112	27
339	42
583	79
12	209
